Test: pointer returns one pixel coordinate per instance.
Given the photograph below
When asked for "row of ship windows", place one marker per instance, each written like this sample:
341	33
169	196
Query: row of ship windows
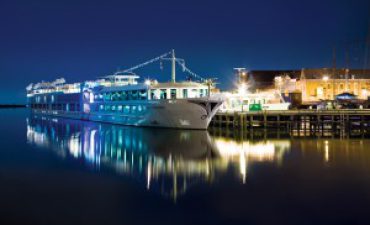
121	108
123	95
98	108
154	94
63	107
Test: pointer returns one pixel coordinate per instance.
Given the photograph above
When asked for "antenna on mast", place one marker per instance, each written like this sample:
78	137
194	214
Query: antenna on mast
173	74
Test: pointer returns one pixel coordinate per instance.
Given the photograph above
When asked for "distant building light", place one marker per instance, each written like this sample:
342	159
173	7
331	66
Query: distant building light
325	78
147	82
242	89
364	92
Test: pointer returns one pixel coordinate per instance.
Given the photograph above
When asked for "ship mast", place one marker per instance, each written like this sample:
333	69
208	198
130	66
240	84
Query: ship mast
169	56
173	73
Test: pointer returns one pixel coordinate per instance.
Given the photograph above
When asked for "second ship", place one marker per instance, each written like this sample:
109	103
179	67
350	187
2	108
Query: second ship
121	99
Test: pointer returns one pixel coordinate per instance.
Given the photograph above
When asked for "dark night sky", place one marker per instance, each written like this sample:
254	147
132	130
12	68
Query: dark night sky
79	40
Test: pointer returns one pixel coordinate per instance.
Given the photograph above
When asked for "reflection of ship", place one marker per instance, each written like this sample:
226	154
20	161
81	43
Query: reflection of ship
167	161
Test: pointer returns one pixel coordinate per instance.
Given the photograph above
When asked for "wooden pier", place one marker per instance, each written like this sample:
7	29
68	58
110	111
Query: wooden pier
300	122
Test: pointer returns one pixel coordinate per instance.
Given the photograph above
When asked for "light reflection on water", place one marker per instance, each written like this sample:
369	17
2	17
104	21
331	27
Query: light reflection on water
66	171
164	160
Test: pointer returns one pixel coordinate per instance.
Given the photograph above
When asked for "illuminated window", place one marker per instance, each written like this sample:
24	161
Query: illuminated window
133	109
134	95
153	94
107	96
115	96
163	94
185	93
364	92
124	95
143	94
194	93
173	93
126	109
201	93
319	91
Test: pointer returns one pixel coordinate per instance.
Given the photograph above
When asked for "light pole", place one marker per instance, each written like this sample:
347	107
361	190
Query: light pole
240	71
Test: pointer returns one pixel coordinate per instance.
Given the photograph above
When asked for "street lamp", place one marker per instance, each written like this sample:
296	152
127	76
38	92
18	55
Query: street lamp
240	72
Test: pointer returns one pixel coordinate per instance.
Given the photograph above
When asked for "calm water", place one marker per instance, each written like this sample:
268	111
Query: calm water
57	171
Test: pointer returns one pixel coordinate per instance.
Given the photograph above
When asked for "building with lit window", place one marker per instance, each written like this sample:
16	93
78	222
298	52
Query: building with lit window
316	84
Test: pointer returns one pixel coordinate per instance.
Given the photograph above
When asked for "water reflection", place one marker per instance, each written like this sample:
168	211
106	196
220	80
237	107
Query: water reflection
163	160
243	152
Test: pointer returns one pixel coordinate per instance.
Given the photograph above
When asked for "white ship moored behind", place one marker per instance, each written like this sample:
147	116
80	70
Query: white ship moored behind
121	99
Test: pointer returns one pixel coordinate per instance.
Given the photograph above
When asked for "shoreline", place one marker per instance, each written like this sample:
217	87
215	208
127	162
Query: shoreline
8	106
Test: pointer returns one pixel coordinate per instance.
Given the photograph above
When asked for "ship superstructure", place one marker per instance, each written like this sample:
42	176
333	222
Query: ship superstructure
120	98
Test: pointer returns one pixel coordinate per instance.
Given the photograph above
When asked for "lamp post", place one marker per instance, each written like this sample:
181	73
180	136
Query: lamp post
334	70
241	72
325	78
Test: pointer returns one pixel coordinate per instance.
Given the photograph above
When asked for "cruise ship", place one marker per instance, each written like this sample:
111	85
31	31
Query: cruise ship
121	99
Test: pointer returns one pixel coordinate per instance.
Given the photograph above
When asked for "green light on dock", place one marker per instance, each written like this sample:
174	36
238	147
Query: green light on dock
255	107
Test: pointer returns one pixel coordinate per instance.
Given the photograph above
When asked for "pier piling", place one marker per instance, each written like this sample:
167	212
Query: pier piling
300	122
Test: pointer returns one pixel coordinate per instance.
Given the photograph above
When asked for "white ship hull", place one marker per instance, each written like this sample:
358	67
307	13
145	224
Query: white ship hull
177	113
121	99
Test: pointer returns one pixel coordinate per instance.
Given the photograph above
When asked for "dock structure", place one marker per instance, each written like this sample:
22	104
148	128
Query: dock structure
299	122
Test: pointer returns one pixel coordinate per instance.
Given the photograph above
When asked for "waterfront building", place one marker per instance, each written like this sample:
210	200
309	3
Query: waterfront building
244	102
320	84
246	97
